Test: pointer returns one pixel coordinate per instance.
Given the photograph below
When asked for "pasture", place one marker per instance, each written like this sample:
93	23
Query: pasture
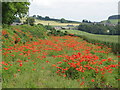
54	23
105	38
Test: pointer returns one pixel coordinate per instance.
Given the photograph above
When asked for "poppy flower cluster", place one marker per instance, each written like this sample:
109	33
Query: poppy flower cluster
72	57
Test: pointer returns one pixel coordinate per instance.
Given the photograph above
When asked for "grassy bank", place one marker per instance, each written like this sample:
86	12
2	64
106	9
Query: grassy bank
54	61
109	40
21	34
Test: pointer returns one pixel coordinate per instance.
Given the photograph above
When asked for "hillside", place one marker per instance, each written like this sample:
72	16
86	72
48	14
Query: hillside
114	19
111	21
108	40
54	61
54	23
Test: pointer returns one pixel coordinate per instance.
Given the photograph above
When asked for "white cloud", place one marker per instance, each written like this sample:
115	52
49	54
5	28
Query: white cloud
50	2
75	9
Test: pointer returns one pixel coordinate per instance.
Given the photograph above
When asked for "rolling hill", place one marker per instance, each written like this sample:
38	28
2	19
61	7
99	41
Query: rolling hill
114	19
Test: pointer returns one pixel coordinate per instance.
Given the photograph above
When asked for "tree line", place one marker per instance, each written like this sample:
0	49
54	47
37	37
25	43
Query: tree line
100	29
47	18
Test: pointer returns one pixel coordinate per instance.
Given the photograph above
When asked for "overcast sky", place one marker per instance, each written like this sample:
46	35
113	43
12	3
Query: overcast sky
93	10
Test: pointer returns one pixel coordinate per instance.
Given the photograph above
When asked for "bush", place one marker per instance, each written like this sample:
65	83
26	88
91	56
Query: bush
57	33
22	34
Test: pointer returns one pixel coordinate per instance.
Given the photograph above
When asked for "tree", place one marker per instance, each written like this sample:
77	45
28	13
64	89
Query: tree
39	17
30	20
108	21
34	16
63	20
47	18
85	21
12	9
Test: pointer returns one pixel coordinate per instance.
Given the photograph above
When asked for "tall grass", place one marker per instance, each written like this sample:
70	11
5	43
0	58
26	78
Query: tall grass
35	63
22	34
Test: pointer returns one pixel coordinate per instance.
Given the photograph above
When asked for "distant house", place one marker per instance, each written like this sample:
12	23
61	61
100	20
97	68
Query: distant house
66	28
58	27
15	23
70	25
108	24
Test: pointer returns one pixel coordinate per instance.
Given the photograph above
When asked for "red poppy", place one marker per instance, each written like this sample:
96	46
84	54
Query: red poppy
53	65
82	83
64	75
5	68
19	70
93	80
34	69
12	55
47	61
42	67
34	63
83	78
20	64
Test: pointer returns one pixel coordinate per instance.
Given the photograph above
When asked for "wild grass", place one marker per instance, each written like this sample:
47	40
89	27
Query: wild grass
105	38
34	64
109	40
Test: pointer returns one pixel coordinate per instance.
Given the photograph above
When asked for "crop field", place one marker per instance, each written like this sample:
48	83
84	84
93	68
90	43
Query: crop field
31	59
53	23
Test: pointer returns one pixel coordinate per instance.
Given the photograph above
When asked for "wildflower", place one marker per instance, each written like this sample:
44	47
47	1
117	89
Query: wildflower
5	64
53	65
64	75
59	62
5	68
34	69
65	60
34	63
42	67
14	75
20	64
21	54
93	80
19	70
47	61
12	55
118	56
82	83
83	78
28	57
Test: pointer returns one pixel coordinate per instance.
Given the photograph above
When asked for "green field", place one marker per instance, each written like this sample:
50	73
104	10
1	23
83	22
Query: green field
106	38
113	21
